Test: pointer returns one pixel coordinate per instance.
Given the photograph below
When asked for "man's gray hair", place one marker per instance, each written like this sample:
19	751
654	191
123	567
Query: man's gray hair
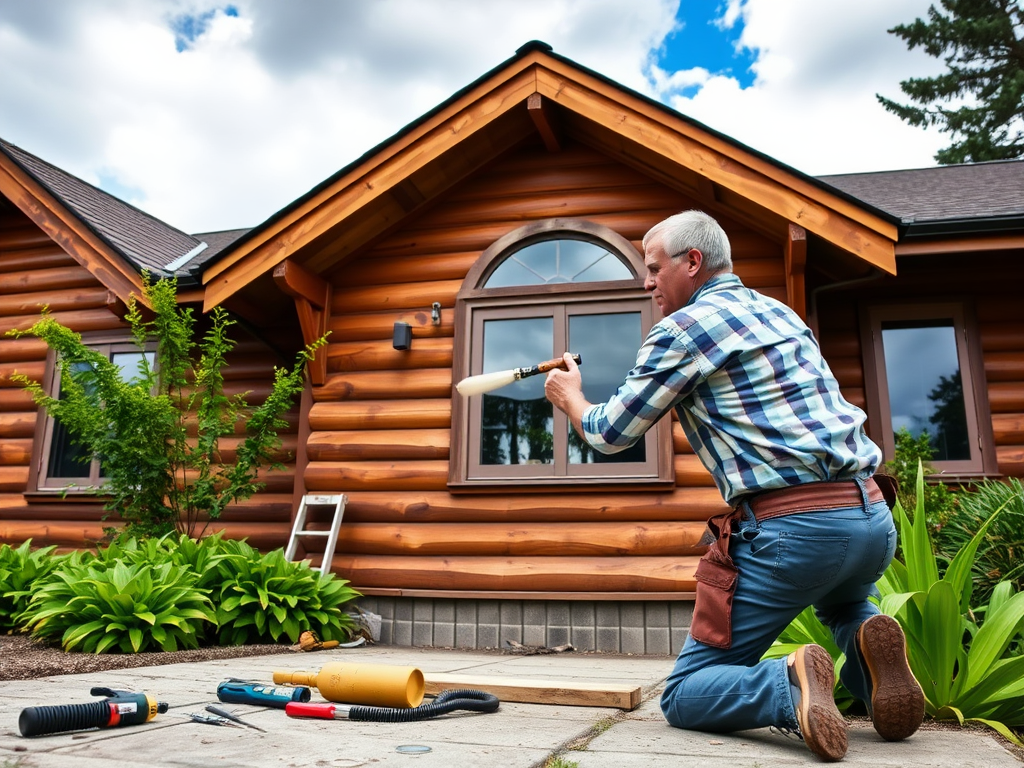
694	229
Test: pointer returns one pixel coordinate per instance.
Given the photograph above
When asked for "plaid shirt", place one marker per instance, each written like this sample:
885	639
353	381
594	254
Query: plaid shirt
756	399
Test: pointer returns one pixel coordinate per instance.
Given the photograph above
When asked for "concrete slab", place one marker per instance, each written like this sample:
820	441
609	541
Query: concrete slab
517	736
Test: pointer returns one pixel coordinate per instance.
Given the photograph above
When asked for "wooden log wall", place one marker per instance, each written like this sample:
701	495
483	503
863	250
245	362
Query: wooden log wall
380	427
990	289
35	272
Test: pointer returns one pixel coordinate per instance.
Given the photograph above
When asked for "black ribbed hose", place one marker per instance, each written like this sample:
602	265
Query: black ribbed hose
444	702
38	721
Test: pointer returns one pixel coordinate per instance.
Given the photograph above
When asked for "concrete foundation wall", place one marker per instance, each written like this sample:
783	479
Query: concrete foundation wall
641	628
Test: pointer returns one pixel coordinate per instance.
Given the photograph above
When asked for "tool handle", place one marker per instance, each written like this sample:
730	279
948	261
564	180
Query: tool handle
304	709
558	362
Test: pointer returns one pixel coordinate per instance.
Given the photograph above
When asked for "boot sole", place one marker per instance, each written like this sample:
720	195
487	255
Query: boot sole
897	701
822	727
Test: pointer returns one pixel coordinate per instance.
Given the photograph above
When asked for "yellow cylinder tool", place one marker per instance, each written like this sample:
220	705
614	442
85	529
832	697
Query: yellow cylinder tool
378	685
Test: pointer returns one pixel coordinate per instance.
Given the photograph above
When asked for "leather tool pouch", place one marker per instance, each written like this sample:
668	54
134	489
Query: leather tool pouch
716	584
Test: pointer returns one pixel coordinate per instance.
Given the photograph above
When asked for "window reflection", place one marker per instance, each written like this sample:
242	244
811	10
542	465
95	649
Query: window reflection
607	344
925	387
518	421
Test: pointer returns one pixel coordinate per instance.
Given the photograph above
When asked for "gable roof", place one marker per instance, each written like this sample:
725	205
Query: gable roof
115	238
946	199
501	108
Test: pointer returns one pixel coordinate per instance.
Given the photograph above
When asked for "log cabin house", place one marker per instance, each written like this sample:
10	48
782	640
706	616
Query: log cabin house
502	228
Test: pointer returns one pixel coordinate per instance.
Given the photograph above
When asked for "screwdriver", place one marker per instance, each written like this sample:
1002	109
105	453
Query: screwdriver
224	713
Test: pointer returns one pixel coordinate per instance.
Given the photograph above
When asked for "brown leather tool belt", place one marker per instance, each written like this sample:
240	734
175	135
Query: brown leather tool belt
812	496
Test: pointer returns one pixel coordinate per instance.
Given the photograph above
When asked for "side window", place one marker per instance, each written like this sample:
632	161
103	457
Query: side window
64	464
530	298
924	373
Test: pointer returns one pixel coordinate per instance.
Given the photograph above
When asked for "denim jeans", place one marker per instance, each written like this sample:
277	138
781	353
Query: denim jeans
830	559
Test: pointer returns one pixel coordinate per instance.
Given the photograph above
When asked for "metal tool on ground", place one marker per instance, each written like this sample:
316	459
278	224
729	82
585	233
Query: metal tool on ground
221	712
310	501
378	685
117	709
449	701
208	720
488	382
235	691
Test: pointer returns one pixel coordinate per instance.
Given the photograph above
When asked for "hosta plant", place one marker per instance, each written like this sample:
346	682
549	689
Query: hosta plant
19	568
96	606
265	597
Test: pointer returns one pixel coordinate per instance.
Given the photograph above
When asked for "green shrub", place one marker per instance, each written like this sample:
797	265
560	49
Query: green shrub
98	605
19	568
1001	553
939	501
265	597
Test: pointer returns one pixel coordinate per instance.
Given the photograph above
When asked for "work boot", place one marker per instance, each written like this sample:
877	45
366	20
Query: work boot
897	701
812	678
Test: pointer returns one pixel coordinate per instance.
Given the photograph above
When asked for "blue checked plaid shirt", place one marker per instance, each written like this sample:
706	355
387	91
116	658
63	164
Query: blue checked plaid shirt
757	401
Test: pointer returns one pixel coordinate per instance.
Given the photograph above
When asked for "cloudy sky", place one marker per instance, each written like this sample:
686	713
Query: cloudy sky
214	114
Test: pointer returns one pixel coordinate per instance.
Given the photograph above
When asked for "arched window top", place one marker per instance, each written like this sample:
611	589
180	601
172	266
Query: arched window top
559	260
552	253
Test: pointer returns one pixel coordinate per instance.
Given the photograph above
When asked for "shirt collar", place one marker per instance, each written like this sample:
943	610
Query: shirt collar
721	280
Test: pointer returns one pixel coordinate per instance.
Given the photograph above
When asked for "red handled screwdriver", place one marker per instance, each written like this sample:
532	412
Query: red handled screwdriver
324	711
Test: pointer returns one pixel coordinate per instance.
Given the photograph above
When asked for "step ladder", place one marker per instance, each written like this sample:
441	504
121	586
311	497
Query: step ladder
336	502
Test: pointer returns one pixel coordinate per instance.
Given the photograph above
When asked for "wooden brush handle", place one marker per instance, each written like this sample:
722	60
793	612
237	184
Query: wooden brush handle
548	365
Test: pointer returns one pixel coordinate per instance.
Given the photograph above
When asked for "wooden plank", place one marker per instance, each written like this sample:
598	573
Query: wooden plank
573	693
380	325
381	414
378	444
381	355
544	120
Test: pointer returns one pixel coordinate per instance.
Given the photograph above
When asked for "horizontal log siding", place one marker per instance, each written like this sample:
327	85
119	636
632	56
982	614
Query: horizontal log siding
35	272
380	427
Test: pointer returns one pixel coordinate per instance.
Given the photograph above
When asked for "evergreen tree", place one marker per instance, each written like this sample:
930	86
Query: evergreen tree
982	42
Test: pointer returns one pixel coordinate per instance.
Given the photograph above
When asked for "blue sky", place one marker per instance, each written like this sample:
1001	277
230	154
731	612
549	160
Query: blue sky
214	114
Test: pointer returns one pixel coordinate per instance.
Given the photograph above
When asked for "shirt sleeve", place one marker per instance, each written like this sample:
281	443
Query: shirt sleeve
665	372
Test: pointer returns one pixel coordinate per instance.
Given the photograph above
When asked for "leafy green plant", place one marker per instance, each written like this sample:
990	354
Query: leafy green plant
19	568
95	605
1000	555
961	666
265	597
939	501
158	475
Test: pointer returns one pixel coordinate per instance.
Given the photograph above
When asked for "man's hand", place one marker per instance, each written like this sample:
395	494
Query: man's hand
565	391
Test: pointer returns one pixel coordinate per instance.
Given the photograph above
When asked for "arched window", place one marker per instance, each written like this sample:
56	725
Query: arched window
543	289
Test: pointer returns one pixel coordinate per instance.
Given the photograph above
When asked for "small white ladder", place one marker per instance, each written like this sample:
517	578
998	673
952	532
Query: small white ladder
336	501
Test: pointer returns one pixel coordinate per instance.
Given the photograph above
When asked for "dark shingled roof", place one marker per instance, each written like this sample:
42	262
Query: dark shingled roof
216	242
976	191
143	240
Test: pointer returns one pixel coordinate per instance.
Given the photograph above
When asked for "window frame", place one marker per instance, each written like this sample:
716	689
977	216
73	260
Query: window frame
972	375
474	304
39	480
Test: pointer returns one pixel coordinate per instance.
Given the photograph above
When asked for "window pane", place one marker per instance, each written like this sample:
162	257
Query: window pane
607	345
518	421
925	389
558	261
67	459
128	363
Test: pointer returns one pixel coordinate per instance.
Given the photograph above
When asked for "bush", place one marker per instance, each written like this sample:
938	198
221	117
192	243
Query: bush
174	591
939	501
19	568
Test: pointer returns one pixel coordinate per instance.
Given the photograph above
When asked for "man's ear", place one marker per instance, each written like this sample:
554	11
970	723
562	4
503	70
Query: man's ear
694	260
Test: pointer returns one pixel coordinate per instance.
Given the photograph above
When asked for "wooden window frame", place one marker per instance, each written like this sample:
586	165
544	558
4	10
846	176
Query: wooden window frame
475	303
972	372
40	484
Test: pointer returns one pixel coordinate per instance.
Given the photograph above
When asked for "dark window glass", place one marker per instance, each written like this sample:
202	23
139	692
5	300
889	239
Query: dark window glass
926	391
607	345
517	421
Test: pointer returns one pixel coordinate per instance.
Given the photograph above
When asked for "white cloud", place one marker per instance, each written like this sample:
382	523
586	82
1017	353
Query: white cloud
265	104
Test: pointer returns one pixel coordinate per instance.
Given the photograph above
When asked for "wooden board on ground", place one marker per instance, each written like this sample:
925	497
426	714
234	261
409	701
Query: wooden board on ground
539	691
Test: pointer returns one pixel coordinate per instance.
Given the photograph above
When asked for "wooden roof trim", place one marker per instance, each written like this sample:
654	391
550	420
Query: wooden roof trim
961	245
716	143
372	179
68	231
392	149
874	245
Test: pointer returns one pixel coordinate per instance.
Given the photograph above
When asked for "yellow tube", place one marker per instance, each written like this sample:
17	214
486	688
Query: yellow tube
377	685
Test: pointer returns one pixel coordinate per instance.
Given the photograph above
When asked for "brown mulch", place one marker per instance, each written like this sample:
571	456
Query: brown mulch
21	658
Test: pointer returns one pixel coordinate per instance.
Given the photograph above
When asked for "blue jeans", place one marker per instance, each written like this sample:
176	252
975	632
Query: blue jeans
830	559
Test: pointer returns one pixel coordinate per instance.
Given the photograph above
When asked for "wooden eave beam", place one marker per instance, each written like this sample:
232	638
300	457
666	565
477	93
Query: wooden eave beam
795	200
544	120
312	295
795	257
69	232
961	245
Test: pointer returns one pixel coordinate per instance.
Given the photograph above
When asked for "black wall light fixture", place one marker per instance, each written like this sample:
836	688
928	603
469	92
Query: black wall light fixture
402	338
